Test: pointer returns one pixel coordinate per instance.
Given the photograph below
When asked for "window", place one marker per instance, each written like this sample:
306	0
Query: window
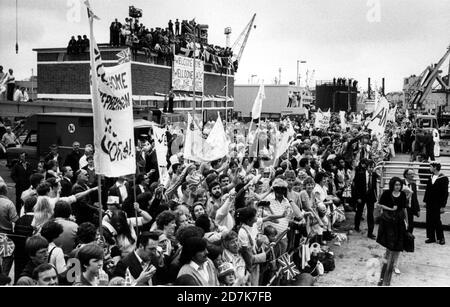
31	139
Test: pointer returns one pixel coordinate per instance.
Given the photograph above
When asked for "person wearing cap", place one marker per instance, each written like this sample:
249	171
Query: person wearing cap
435	199
227	276
410	189
281	205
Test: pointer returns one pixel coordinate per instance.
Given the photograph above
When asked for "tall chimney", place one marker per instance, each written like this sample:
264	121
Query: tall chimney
369	90
382	89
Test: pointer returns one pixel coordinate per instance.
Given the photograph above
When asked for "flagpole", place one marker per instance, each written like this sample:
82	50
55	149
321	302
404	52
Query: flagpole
100	207
135	212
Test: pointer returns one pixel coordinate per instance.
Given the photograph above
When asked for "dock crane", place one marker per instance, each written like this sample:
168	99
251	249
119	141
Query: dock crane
239	45
423	85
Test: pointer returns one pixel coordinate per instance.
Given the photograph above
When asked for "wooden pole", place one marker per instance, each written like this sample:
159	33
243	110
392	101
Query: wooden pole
100	217
135	212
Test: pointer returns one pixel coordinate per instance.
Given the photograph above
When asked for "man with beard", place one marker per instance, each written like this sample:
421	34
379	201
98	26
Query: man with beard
73	158
145	263
214	201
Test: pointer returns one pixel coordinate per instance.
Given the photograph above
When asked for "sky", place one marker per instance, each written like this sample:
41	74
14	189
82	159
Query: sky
337	38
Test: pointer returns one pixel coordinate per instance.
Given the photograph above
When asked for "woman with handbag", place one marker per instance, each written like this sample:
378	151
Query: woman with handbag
392	228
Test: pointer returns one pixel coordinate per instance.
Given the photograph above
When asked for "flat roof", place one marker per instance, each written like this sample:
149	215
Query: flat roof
80	114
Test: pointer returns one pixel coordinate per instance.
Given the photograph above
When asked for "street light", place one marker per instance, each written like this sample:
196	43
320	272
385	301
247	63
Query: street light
298	77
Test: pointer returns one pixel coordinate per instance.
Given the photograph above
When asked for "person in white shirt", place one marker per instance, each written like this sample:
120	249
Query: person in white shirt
51	231
88	151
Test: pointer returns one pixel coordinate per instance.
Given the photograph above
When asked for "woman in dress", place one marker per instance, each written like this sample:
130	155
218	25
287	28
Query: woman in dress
392	226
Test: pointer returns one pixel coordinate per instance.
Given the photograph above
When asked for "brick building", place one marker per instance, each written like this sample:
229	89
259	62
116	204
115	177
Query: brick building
66	77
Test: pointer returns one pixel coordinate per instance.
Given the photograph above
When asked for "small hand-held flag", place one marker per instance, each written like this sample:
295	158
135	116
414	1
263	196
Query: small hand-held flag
288	267
6	246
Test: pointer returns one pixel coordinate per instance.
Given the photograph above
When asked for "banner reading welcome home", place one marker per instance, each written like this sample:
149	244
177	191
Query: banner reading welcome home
183	74
113	115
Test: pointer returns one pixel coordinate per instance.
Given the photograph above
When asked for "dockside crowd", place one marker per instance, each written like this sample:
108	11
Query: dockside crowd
225	222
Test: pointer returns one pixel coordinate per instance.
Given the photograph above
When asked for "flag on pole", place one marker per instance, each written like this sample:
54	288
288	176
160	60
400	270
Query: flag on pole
112	106
160	137
216	145
392	114
91	14
378	122
257	105
343	120
193	144
124	56
285	141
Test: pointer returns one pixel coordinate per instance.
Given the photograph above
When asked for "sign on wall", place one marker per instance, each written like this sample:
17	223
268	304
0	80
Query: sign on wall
183	74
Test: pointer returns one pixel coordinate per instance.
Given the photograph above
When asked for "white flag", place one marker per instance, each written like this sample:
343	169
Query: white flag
343	120
378	122
113	114
283	144
160	137
257	105
392	114
193	144
216	145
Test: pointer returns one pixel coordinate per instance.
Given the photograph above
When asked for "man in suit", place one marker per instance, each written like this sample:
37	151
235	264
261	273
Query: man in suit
20	173
73	158
122	190
54	155
142	261
84	209
66	182
410	188
435	198
364	193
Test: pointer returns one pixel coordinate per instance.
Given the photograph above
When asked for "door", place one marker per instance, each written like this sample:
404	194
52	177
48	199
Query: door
46	137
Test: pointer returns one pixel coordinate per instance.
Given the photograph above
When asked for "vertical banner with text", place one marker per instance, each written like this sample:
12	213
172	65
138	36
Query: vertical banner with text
112	105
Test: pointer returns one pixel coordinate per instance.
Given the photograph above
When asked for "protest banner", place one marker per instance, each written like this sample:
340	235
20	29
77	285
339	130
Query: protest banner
378	122
113	114
160	137
322	120
183	74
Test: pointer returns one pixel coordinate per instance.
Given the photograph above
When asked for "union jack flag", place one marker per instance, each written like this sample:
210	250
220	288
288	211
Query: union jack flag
288	267
6	246
124	56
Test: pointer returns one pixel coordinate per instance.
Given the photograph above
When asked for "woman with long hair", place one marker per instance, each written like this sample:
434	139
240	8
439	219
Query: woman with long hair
392	226
43	212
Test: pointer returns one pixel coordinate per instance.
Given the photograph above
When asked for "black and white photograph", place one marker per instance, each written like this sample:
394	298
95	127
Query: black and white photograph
224	149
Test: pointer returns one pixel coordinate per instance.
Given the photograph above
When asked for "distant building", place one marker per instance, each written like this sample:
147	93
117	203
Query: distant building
280	100
64	76
337	95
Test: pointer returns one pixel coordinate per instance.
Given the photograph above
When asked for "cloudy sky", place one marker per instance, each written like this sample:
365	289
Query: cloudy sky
348	38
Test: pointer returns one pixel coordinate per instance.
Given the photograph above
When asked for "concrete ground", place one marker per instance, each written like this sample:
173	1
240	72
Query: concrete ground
428	266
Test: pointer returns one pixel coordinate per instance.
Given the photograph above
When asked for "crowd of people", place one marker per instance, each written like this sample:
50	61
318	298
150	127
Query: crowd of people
224	222
78	46
168	41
